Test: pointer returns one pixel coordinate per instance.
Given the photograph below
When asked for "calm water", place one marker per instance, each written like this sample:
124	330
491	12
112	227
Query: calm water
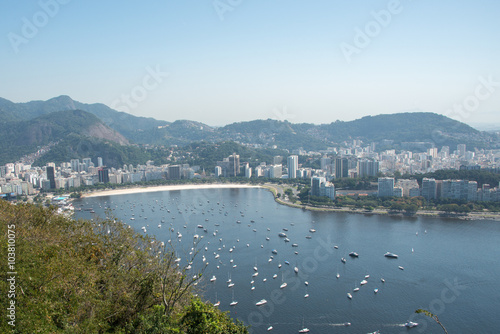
450	266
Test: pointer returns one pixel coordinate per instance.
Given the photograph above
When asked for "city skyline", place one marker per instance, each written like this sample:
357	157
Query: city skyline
220	62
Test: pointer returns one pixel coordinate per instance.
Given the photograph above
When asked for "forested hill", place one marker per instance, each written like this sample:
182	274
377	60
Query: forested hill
388	131
96	277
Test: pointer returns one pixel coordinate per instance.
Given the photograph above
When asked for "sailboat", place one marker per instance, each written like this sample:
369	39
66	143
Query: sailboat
233	303
304	329
217	303
283	285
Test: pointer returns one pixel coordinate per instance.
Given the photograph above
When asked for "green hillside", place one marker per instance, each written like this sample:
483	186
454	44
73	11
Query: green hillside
97	277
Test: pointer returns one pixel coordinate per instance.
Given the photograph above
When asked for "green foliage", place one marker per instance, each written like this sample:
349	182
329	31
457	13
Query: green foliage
432	316
93	277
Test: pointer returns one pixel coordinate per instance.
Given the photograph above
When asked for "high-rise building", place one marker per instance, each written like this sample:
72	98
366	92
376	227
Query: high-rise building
75	165
293	166
429	188
174	172
341	168
103	174
51	177
461	148
385	186
277	160
218	171
316	183
234	165
99	162
368	168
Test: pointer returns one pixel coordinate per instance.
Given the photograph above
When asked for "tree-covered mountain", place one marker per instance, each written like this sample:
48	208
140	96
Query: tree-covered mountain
18	138
128	125
391	130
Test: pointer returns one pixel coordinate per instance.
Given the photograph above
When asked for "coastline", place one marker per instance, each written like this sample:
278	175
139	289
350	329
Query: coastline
137	190
275	189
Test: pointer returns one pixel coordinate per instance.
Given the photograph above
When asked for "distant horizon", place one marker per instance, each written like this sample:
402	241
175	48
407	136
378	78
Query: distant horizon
477	126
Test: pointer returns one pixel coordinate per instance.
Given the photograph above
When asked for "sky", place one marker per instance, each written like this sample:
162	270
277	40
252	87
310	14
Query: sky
224	61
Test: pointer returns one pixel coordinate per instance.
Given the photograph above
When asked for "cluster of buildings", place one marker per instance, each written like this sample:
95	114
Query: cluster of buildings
431	189
23	179
350	161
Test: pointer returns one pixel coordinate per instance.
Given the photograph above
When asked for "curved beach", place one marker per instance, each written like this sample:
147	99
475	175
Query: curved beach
136	190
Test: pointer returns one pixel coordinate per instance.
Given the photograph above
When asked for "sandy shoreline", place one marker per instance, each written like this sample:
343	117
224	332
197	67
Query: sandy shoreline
137	190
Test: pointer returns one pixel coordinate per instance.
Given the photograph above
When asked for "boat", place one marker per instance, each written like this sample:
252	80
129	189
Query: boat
336	247
338	275
275	275
255	274
282	235
411	324
349	295
382	280
353	254
200	226
347	324
304	330
270	328
283	285
401	268
306	295
255	268
356	289
213	278
295	245
286	262
230	285
217	304
306	283
375	290
312	230
274	251
285	229
391	255
363	282
343	260
296	269
367	276
261	302
287	240
233	303
308	237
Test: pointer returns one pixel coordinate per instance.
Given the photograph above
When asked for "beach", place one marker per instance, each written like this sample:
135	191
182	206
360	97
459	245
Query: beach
136	190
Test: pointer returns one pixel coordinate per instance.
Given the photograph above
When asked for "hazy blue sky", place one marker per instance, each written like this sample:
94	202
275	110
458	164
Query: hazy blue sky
232	60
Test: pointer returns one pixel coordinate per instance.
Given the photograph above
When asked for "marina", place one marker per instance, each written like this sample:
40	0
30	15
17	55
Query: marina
442	256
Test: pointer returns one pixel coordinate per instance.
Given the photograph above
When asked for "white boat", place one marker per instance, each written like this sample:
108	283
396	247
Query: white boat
233	303
353	254
270	328
255	269
411	324
308	237
363	282
283	285
336	247
382	280
306	283
349	295
296	269
343	260
304	330
312	230
213	278
338	275
230	285
375	290
275	275
217	304
355	289
391	255
282	235
367	276
255	274
306	295
261	302
401	268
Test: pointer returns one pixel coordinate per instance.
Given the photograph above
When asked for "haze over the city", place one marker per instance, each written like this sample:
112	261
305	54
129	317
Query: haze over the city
233	60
